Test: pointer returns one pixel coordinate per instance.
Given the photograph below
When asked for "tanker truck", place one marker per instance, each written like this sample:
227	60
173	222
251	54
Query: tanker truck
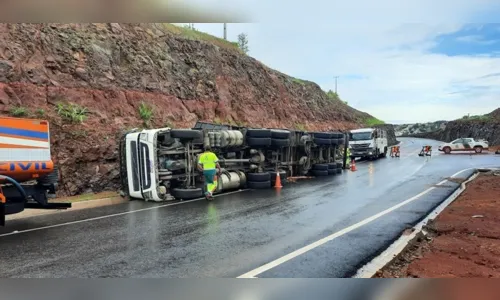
28	177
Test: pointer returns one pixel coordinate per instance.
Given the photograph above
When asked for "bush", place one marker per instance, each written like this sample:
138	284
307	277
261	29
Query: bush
373	121
18	111
72	112
146	112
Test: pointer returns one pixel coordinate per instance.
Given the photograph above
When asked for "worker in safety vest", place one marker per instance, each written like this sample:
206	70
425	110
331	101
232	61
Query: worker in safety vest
208	163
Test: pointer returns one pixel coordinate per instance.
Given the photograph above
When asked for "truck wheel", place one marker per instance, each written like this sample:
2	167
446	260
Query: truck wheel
322	135
385	152
332	166
259	133
334	142
320	172
320	167
280	142
478	149
186	134
447	150
339	165
186	194
332	171
339	171
258	185
340	141
280	134
321	141
258	177
337	135
259	141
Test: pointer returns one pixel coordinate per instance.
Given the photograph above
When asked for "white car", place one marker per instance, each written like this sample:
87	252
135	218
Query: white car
464	144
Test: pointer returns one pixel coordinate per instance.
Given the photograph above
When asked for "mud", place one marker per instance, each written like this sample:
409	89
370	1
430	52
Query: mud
463	241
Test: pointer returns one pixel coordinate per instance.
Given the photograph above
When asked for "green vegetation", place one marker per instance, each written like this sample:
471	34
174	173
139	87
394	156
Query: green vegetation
72	112
373	121
18	111
193	34
40	112
146	113
299	81
484	118
243	42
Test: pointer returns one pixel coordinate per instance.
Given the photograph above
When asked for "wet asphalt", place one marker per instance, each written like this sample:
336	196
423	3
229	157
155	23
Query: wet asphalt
240	232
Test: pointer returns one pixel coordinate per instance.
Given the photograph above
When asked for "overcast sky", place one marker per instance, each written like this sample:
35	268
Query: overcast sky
401	61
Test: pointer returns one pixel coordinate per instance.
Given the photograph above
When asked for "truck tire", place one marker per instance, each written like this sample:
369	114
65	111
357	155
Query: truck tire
259	141
332	166
337	135
280	143
383	155
186	194
258	177
332	171
280	134
320	172
322	142
186	134
258	185
478	149
339	171
447	150
322	135
339	165
340	141
320	167
259	133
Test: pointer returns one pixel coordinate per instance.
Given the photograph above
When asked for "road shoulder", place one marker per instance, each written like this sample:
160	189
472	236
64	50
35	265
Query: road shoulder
463	241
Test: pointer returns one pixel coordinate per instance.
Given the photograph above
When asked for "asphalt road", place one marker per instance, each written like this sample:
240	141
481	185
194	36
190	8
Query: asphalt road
325	227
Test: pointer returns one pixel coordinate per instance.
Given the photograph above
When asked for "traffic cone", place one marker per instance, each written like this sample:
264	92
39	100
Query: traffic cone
277	184
353	165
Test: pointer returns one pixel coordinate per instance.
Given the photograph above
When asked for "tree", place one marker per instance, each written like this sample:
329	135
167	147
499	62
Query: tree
243	42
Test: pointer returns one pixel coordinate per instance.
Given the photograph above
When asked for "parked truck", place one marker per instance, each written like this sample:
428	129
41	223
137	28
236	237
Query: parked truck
160	164
370	143
28	177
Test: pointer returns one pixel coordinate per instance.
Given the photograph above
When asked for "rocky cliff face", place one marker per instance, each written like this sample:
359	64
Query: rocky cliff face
108	70
484	127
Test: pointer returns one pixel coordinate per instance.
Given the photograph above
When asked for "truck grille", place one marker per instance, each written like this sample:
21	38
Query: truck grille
360	146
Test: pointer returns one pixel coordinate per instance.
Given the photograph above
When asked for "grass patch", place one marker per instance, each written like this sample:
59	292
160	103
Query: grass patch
72	112
40	112
145	112
373	121
194	34
18	111
299	81
484	118
300	127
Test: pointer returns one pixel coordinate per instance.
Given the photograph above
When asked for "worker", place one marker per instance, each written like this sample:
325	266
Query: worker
208	163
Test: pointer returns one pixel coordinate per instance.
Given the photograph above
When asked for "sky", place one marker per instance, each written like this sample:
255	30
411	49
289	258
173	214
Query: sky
401	61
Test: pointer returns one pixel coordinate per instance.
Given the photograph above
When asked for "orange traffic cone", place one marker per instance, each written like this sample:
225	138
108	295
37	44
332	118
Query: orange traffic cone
278	181
353	165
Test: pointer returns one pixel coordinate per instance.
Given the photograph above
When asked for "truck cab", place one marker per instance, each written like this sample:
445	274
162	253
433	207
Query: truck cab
368	143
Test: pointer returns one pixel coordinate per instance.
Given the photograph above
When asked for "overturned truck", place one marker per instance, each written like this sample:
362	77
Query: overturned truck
160	164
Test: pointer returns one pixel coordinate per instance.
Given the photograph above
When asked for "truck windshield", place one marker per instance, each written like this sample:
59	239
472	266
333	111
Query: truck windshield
360	136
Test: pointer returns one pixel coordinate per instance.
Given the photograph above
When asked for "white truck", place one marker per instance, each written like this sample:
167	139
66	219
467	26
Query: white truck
368	143
464	144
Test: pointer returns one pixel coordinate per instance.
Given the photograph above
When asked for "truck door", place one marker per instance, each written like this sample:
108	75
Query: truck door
457	145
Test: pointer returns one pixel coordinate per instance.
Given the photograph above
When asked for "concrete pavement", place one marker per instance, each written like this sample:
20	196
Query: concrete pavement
325	227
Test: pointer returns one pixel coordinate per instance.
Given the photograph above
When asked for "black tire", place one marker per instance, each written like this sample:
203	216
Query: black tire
186	134
320	167
320	172
280	134
186	194
337	135
258	141
322	142
332	171
447	150
340	141
332	166
383	155
259	177
280	143
259	133
322	135
334	142
478	149
339	165
258	185
339	171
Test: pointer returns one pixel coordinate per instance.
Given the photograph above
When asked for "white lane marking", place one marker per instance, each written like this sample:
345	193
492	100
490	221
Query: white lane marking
337	234
112	215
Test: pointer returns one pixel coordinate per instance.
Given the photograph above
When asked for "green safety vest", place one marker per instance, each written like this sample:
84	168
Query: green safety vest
208	160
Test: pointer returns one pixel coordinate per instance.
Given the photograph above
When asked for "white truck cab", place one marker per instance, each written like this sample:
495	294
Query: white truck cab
368	143
464	144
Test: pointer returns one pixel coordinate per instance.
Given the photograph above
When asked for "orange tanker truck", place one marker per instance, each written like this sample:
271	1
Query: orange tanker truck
28	177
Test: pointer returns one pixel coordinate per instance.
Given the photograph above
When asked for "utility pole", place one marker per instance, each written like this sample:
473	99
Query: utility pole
336	85
225	31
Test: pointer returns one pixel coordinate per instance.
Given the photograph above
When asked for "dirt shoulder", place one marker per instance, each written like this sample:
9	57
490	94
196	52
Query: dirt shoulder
463	241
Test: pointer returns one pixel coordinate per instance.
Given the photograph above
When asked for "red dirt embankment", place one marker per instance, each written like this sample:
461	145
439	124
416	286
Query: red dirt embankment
110	69
464	240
